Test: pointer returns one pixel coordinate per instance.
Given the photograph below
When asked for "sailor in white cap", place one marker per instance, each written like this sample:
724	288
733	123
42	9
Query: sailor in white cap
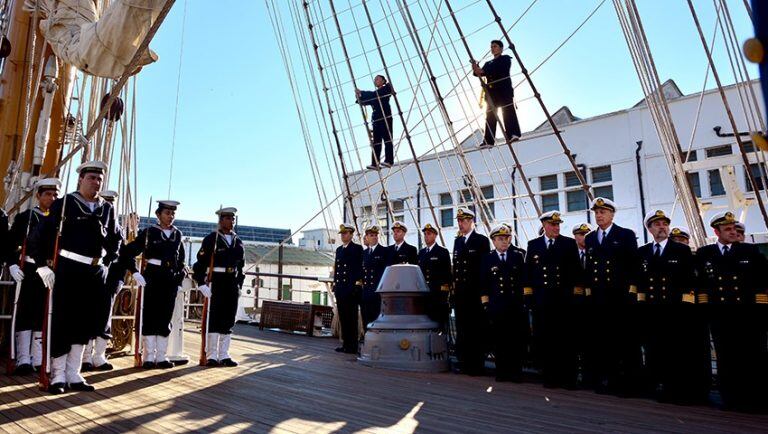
610	273
402	252
89	235
435	264
347	287
163	268
31	298
741	230
680	234
109	195
376	258
221	284
469	249
580	232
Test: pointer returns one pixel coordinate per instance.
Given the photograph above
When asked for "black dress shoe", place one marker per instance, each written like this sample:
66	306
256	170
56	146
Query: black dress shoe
81	387
104	367
228	363
340	350
165	364
149	365
350	351
56	388
212	363
85	367
23	369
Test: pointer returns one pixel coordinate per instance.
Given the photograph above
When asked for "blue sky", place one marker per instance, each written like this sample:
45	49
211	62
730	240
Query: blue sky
238	139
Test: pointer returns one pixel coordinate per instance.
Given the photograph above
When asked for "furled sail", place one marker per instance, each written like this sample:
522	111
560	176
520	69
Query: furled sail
101	44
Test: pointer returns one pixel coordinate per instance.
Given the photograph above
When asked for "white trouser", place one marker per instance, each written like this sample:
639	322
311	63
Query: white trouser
23	345
88	354
212	346
99	351
74	362
162	349
224	347
58	369
37	348
150	345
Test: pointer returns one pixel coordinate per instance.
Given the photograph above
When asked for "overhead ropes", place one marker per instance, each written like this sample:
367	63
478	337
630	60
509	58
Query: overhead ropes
178	94
745	159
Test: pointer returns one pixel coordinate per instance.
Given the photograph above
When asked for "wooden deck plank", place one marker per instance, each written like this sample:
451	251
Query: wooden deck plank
294	384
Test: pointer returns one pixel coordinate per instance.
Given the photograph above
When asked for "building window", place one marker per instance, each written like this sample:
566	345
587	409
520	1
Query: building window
446	218
715	183
758	174
601	174
692	156
446	199
605	191
398	207
577	200
550	202
548	182
719	151
488	195
749	146
571	180
695	181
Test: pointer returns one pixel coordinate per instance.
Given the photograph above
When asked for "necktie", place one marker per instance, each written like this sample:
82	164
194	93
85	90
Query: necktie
726	250
503	257
657	250
549	245
583	259
428	249
600	235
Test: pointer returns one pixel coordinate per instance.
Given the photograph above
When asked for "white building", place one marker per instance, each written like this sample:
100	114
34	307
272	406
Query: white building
619	154
319	239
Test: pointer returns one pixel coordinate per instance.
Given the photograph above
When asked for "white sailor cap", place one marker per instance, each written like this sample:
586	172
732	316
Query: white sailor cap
680	231
225	212
346	227
429	227
373	228
604	203
92	166
581	228
553	216
48	184
722	218
741	227
399	225
109	195
653	216
465	213
501	230
168	204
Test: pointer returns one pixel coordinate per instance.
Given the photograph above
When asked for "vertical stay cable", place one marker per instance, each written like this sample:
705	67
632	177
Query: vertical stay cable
178	92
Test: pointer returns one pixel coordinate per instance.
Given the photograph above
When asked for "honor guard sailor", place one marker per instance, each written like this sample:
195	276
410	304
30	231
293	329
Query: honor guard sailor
347	287
435	264
376	258
553	271
164	269
469	249
680	234
30	308
223	290
401	252
732	279
503	297
89	235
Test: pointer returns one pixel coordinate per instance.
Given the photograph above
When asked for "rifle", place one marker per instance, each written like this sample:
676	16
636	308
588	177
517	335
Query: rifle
206	303
138	320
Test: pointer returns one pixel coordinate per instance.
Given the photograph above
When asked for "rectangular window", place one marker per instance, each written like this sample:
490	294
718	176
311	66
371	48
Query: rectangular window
692	156
571	180
758	174
488	195
550	202
719	151
601	174
605	191
446	199
577	200
465	196
548	182
749	146
446	218
695	181
715	183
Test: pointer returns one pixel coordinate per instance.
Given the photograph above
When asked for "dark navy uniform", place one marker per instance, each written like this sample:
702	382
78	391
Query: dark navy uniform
468	253
164	271
499	95
614	357
735	286
382	121
435	264
675	339
553	272
502	294
6	247
347	287
374	263
31	307
226	280
405	254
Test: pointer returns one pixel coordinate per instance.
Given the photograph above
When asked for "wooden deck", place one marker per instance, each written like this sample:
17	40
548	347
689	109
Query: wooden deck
295	384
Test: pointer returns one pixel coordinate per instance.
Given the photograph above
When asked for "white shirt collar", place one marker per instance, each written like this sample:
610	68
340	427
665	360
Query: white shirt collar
344	245
721	245
429	246
468	233
373	246
400	244
546	239
607	230
501	253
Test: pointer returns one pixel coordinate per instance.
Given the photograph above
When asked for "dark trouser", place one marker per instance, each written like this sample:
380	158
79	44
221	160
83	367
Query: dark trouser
347	304
78	296
509	332
438	309
29	312
370	307
506	104
554	344
382	134
614	348
740	339
471	328
223	303
159	301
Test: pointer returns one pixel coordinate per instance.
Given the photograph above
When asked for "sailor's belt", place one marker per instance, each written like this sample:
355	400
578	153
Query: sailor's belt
79	258
223	269
28	259
160	263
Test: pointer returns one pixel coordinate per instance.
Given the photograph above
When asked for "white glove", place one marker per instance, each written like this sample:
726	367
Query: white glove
180	290
16	272
47	275
205	289
139	279
120	284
